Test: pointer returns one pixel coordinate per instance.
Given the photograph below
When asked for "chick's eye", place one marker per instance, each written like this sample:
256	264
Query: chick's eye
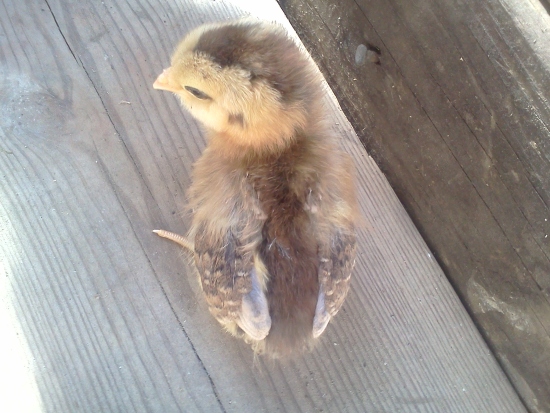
197	93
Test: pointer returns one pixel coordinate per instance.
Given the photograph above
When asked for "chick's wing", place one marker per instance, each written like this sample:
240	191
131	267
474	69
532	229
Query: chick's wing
337	259
230	282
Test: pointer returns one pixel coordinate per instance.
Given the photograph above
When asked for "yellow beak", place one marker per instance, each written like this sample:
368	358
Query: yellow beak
165	82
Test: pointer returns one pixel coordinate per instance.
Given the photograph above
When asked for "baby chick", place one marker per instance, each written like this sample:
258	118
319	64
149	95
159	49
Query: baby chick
273	200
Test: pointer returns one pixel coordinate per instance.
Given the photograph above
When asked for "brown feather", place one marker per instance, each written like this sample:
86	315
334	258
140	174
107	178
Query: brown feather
289	246
273	200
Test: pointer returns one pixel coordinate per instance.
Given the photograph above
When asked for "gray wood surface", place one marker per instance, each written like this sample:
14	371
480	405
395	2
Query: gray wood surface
98	314
457	116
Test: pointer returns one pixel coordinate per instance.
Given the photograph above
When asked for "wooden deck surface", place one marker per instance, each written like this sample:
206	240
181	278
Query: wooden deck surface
99	315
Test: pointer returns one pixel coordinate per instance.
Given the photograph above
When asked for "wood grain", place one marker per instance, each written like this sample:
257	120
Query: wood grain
110	316
457	117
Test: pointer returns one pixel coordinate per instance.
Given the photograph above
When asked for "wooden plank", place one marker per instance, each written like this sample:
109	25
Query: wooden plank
456	115
111	317
96	323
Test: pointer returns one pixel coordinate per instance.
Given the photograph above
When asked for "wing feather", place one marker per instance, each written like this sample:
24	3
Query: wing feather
230	283
337	259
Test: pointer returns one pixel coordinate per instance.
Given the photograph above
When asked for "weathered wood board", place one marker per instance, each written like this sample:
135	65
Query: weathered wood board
456	114
98	314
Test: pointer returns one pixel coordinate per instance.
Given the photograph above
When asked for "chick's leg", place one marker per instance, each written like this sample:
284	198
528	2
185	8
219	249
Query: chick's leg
184	242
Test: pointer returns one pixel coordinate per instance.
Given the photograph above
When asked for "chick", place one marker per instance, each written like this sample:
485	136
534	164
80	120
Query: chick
273	201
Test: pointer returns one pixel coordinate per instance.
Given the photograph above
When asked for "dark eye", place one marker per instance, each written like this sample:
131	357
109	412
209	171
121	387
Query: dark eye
197	93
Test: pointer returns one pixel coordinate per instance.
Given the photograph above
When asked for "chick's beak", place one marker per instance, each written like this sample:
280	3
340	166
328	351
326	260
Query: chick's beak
165	82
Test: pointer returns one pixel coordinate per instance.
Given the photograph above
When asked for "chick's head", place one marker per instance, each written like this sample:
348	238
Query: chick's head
246	81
